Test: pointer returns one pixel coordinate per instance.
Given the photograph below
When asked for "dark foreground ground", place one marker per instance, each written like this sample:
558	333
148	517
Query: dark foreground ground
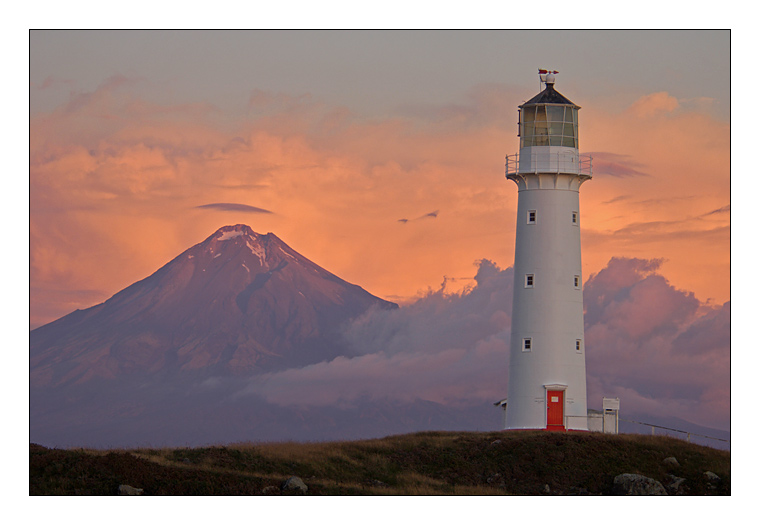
447	463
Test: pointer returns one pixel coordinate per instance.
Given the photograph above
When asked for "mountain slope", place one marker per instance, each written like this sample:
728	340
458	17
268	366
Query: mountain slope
237	303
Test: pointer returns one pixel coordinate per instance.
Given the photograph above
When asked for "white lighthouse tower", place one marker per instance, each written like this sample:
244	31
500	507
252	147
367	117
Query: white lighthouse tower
547	365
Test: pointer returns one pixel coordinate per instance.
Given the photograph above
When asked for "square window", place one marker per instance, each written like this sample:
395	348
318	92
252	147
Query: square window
529	280
532	217
527	344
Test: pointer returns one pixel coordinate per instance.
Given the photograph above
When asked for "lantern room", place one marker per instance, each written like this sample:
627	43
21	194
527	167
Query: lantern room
548	131
549	119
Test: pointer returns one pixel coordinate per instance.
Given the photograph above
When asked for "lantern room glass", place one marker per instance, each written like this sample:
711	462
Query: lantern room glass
549	125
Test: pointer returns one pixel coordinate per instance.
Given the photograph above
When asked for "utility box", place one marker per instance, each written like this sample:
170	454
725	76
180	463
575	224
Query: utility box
610	409
595	420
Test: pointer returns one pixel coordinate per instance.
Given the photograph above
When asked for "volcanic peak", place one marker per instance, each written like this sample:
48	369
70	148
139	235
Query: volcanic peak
237	303
239	235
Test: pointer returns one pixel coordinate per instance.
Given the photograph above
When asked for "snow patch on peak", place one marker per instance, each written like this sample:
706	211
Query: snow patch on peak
258	250
230	234
289	255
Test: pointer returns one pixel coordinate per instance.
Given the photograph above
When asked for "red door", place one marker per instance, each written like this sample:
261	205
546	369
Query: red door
555	410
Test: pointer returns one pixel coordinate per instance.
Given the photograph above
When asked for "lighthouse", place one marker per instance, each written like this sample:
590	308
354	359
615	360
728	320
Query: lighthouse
547	362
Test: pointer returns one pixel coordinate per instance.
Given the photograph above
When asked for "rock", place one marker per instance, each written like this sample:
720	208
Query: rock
712	476
637	485
712	479
374	483
547	489
126	490
494	478
497	442
675	487
269	489
671	462
294	483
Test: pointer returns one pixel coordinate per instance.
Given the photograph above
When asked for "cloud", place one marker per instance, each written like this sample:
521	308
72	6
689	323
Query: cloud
617	198
654	104
228	206
120	176
605	163
685	155
721	210
430	350
657	348
637	302
431	215
52	82
708	335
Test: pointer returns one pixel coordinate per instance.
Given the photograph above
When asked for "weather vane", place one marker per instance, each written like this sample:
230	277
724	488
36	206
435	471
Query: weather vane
542	74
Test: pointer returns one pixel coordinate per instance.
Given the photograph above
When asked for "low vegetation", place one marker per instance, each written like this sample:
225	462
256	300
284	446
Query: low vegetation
447	463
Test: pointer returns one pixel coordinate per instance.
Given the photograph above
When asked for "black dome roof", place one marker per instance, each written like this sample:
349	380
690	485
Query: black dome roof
549	96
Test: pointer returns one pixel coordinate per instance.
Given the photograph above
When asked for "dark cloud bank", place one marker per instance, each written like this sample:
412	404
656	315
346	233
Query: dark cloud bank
439	363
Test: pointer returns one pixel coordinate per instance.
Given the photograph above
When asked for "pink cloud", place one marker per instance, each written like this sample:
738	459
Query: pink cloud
653	104
657	348
431	350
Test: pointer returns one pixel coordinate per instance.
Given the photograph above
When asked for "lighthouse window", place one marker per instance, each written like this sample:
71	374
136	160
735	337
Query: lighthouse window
575	217
532	217
555	113
529	280
578	345
527	344
577	281
541	131
556	128
552	125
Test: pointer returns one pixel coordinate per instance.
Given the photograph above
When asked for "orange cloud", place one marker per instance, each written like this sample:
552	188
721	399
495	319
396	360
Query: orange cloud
677	163
116	184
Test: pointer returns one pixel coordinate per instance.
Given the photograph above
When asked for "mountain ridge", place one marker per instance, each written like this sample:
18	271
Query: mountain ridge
238	302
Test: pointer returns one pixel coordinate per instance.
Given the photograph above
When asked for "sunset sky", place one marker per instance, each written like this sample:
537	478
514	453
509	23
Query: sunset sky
379	155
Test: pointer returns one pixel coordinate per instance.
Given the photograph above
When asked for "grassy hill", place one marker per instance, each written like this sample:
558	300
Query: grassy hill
448	463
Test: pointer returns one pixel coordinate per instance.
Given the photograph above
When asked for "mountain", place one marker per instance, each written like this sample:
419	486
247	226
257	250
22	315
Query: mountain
238	303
